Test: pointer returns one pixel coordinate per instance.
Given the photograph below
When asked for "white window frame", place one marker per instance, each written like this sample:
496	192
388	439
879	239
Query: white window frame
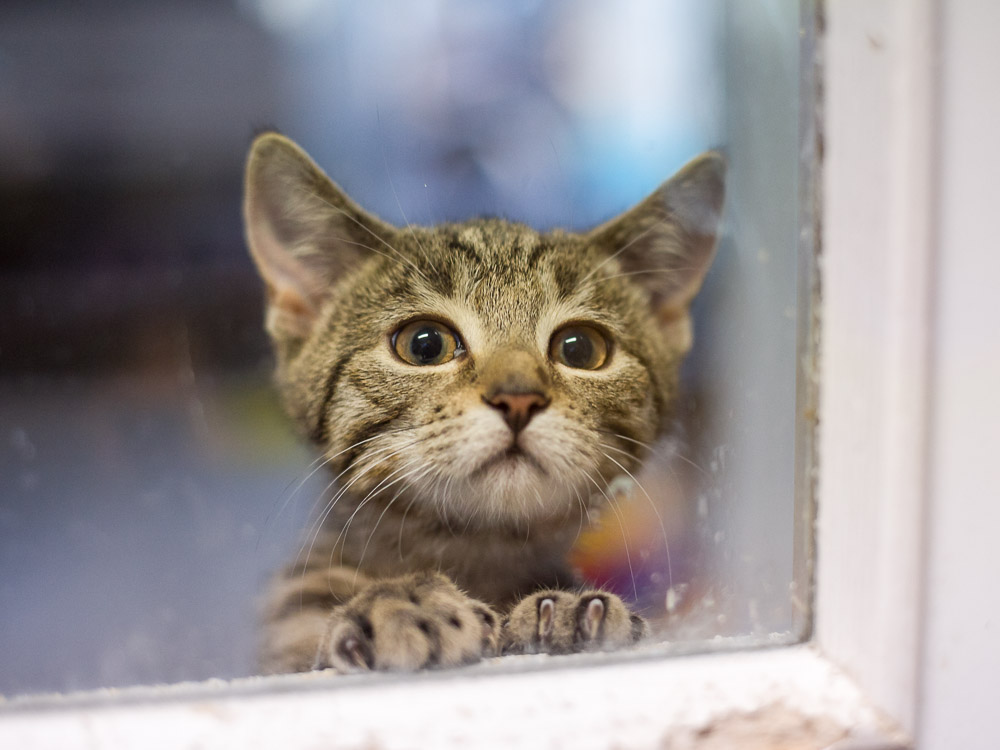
900	82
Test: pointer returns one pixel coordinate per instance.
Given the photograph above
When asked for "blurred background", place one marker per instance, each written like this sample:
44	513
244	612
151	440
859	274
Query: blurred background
148	483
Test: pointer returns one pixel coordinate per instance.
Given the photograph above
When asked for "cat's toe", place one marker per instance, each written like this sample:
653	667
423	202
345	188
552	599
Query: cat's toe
561	622
605	622
347	647
408	624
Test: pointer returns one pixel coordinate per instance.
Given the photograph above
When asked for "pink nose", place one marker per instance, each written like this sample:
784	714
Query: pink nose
518	408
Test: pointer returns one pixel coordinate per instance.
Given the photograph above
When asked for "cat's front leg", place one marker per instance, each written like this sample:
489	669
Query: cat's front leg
565	622
408	623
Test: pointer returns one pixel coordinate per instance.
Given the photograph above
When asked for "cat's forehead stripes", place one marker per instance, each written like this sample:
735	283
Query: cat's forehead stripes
502	284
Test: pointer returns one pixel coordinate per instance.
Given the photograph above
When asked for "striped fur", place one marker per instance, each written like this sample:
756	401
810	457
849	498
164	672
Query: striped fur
424	480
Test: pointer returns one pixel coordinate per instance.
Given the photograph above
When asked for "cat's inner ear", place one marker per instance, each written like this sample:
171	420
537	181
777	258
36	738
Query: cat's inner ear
666	243
304	233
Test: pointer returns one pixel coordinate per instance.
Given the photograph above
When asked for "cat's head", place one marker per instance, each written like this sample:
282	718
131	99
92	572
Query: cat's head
486	371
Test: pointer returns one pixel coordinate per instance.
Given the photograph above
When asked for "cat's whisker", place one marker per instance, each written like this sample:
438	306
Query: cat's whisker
385	510
351	447
408	479
673	454
621	526
370	231
346	469
316	527
382	454
650	449
583	514
625	274
626	438
620	250
402	523
527	533
319	463
441	501
656	512
446	491
685	459
378	488
399	205
468	524
384	255
538	498
340	493
319	517
427	203
616	450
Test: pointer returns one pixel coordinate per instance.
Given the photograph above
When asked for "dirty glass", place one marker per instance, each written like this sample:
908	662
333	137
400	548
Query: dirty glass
148	481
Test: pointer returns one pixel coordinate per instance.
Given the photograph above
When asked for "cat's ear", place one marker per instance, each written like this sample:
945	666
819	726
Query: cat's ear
666	243
304	233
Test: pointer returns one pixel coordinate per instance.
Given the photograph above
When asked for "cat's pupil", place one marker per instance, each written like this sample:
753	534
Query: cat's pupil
577	350
426	345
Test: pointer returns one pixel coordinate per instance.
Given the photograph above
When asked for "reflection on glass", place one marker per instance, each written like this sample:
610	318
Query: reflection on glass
149	484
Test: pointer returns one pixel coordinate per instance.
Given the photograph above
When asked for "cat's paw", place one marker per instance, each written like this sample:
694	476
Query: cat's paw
408	623
565	622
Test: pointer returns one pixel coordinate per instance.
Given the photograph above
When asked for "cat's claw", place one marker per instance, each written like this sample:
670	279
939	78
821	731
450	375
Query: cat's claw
408	623
563	622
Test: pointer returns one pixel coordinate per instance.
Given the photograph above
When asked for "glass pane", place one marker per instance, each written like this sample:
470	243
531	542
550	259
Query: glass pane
149	481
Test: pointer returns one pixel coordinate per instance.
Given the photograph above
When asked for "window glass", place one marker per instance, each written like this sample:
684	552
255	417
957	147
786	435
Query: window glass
149	483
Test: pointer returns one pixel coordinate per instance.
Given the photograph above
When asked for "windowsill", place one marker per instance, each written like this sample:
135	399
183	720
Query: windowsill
505	665
791	694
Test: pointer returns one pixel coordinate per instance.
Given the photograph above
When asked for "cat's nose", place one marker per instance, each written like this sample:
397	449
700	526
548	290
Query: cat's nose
518	408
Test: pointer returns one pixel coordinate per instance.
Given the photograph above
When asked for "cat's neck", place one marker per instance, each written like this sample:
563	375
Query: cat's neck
498	564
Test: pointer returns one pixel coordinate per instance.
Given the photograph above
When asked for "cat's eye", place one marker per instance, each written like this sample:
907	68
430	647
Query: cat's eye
426	342
579	346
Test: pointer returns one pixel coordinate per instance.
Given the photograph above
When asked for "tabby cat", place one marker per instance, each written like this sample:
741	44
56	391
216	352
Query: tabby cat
474	388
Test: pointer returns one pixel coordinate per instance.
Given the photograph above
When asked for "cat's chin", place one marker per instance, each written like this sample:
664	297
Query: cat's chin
515	486
509	464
